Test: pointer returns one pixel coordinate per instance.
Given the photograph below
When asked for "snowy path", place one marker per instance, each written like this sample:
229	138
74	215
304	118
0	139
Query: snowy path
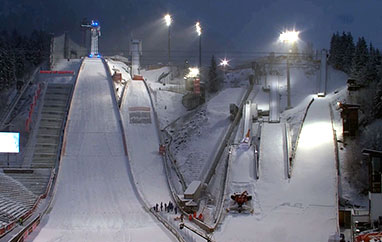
143	144
95	200
302	209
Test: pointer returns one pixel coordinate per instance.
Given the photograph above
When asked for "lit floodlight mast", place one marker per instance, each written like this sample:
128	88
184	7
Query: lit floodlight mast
224	63
289	37
168	20
199	31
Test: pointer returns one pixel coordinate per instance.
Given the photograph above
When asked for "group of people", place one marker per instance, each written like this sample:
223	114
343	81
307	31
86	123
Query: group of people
167	207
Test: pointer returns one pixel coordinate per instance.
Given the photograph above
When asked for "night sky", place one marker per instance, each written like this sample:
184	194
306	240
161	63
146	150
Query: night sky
229	27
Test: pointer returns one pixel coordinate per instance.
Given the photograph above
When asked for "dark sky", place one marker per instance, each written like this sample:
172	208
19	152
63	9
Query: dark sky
229	27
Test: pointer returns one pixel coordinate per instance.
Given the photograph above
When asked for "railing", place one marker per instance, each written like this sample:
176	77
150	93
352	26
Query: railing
8	110
336	153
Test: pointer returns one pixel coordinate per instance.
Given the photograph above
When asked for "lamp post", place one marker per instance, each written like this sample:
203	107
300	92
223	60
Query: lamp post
224	63
199	31
168	20
289	37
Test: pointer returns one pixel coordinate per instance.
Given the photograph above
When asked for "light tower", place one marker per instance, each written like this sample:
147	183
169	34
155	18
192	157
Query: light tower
95	32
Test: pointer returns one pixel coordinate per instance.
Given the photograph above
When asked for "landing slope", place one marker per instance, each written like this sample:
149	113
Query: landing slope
94	199
143	143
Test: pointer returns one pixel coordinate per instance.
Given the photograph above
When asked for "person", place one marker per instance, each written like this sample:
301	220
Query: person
161	206
176	210
165	207
156	207
181	217
21	221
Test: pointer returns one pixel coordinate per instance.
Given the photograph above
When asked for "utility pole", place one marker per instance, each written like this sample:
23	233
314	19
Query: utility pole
169	40
200	52
289	105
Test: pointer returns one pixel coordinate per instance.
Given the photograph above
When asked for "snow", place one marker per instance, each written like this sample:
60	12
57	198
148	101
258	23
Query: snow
290	210
303	207
195	138
143	145
95	199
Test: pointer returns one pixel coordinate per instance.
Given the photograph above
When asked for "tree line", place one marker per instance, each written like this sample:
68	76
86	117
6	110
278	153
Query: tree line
20	54
362	62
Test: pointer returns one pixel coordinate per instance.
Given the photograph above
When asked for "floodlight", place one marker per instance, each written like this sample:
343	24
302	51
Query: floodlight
193	72
198	28
224	62
289	36
168	19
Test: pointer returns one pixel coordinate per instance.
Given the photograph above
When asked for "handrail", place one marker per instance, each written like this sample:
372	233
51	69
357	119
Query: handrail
14	102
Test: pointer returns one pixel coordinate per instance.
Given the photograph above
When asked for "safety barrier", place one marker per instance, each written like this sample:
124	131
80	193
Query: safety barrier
227	136
32	106
57	72
336	153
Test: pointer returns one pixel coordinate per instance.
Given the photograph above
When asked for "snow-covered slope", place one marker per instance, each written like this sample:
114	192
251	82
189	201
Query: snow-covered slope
143	143
94	198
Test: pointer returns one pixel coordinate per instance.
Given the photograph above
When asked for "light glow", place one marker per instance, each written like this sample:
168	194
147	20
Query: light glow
289	36
314	135
198	28
224	62
168	19
193	72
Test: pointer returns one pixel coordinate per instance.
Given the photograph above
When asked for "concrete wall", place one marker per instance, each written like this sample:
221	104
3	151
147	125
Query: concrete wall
64	48
375	205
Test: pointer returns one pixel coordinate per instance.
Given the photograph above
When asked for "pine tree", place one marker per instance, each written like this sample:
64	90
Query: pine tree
334	53
213	76
348	53
360	60
371	66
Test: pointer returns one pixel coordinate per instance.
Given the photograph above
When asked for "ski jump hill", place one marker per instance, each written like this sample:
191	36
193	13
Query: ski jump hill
298	209
95	199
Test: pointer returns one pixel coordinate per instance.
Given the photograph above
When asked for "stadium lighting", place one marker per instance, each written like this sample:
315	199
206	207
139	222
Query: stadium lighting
199	31
168	19
224	62
289	36
193	72
198	28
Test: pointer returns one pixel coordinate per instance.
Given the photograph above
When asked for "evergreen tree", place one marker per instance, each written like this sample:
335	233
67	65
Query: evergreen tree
213	76
348	53
371	66
334	54
360	60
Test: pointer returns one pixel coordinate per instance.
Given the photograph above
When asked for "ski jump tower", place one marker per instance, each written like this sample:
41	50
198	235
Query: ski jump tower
95	33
